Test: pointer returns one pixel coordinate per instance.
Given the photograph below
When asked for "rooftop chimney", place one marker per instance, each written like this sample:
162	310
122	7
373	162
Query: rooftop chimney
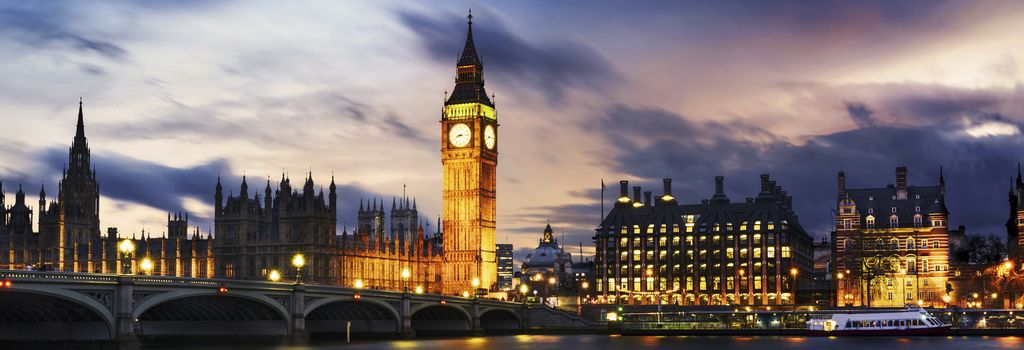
667	186
647	198
842	183
623	188
636	193
901	177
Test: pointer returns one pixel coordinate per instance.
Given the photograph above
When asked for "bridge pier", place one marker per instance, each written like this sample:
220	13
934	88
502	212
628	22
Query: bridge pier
298	333
406	331
124	327
474	314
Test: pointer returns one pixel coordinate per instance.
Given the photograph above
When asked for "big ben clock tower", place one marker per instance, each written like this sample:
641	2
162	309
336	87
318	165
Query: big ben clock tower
469	156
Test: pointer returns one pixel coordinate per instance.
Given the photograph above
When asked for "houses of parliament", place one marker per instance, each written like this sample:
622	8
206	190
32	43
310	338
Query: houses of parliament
256	232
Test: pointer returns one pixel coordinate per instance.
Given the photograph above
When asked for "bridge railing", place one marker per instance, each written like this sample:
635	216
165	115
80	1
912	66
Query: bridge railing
56	276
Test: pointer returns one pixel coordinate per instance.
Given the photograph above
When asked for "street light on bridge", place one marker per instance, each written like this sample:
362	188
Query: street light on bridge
298	261
405	280
146	265
126	247
274	276
476	286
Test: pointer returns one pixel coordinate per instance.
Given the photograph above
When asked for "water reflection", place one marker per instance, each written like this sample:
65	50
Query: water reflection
575	342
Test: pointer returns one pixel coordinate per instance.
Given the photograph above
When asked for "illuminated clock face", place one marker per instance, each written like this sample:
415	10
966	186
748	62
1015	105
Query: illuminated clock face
489	137
459	135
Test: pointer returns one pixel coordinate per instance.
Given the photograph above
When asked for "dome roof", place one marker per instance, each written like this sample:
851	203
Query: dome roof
547	252
543	256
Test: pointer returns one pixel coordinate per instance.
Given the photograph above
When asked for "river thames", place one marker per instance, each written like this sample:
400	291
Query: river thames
571	342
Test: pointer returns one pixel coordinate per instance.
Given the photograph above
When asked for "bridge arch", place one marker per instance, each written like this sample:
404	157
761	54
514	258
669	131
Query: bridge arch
209	313
367	316
40	312
440	318
499	320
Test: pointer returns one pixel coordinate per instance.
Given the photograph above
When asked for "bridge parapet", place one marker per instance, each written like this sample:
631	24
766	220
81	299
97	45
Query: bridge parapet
127	306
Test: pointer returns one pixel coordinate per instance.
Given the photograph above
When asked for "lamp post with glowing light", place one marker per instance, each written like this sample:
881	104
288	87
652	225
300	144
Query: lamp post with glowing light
579	297
839	282
476	285
794	272
405	280
274	276
523	289
298	261
146	265
127	249
903	288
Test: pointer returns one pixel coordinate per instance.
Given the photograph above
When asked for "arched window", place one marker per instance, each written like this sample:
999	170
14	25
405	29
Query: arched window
894	221
870	221
894	243
910	243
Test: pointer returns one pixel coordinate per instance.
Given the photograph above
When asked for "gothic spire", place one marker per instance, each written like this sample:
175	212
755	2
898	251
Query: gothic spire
469	55
469	78
79	155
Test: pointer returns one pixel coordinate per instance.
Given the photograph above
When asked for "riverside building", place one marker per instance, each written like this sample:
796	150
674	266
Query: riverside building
717	252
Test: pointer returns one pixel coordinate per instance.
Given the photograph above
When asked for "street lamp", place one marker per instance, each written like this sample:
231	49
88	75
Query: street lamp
903	288
405	280
274	276
476	285
126	247
522	291
794	272
419	289
146	265
298	261
359	284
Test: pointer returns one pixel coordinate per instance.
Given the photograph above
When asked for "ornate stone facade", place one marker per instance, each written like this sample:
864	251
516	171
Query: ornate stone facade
892	244
469	156
69	237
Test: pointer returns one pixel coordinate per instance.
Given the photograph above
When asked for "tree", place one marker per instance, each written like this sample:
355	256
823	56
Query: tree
980	249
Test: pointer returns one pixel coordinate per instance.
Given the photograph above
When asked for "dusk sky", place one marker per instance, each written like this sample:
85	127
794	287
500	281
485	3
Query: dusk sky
177	93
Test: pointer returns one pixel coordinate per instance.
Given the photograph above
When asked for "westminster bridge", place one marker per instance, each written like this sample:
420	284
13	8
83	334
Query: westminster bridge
79	306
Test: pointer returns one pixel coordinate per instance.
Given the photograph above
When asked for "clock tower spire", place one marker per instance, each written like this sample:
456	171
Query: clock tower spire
469	156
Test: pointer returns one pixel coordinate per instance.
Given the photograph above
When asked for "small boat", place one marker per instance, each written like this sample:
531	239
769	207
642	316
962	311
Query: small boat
901	322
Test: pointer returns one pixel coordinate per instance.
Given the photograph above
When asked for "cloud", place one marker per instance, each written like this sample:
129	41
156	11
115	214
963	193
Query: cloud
552	66
47	26
281	120
860	114
650	143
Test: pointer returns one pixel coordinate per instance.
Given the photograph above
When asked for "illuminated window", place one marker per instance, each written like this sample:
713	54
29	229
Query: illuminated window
728	253
870	220
771	253
757	253
917	220
785	252
894	221
757	225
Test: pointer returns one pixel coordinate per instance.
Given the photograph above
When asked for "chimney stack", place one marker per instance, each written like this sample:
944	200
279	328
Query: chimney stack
842	183
647	198
636	194
623	188
901	177
719	185
667	186
766	186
